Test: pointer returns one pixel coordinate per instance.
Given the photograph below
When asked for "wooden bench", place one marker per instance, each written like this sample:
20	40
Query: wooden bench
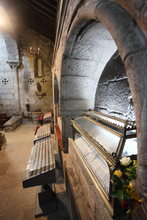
41	165
40	171
42	132
47	117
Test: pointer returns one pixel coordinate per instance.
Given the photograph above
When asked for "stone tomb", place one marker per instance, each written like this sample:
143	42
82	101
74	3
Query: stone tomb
12	123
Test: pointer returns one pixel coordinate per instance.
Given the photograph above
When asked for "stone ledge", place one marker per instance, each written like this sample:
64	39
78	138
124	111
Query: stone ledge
75	192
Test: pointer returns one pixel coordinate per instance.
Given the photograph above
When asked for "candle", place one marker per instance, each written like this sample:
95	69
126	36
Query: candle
38	50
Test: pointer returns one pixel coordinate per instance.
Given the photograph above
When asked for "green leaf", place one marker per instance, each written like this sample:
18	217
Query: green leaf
128	212
119	182
118	194
130	169
128	174
135	163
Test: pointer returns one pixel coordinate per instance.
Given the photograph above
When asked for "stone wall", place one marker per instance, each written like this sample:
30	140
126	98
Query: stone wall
38	90
113	93
21	85
8	83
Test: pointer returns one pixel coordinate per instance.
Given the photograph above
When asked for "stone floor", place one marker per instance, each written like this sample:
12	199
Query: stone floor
17	203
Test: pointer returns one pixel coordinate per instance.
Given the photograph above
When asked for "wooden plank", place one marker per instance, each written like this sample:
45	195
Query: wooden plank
52	4
78	201
59	137
47	33
42	6
35	16
38	11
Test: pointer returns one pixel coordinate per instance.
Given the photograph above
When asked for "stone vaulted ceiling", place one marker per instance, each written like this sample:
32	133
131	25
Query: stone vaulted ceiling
39	15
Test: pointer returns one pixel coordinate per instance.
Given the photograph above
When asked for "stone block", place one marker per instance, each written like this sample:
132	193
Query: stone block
86	52
114	97
79	67
77	105
71	113
78	87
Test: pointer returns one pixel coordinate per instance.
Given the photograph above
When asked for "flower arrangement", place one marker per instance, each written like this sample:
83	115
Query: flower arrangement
124	191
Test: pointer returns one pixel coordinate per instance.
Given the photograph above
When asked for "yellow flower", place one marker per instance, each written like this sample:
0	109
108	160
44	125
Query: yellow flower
118	173
130	186
131	191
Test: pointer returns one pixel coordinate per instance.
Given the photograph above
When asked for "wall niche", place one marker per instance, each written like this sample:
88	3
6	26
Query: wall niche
38	66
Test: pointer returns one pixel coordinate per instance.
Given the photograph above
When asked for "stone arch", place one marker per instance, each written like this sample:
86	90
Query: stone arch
132	44
8	32
82	64
12	49
137	9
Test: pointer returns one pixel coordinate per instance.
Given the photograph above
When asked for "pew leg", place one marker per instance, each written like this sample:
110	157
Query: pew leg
46	201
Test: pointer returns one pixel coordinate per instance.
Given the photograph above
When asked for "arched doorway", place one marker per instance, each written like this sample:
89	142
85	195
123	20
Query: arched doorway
83	63
93	74
131	43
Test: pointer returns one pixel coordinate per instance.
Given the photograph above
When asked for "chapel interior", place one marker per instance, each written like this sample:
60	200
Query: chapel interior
73	109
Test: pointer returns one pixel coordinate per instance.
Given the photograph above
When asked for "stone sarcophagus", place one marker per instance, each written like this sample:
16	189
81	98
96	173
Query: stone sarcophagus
100	141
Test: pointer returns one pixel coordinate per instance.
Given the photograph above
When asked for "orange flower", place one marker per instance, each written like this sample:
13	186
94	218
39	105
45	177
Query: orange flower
118	173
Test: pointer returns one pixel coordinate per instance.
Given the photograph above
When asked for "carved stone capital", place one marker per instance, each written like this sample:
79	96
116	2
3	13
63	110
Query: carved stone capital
13	64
